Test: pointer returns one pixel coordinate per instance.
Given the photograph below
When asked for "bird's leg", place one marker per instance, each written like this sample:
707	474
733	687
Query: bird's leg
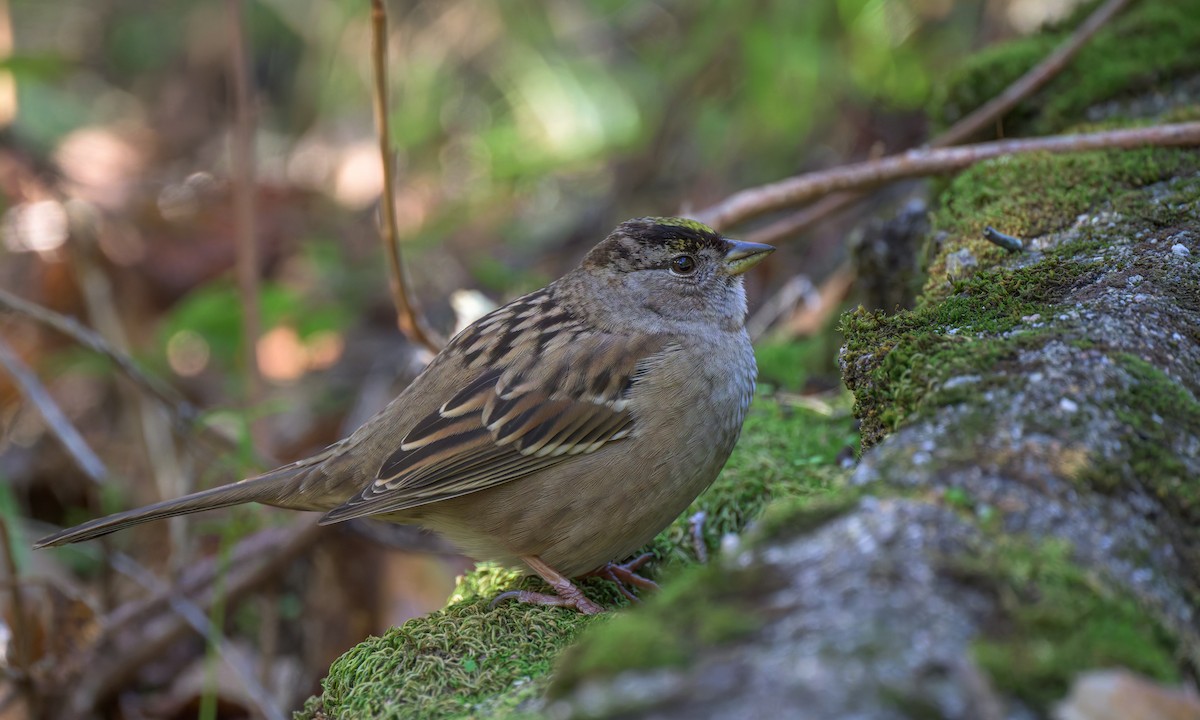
567	594
625	574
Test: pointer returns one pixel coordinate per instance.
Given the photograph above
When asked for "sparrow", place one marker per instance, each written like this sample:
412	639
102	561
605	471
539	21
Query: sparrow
561	431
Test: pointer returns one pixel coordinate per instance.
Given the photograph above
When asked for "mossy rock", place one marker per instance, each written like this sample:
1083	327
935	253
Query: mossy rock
1031	195
1056	620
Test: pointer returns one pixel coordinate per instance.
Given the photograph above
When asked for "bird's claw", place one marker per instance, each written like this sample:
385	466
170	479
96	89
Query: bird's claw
625	574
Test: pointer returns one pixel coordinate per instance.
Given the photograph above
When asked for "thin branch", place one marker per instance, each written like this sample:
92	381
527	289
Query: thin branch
408	317
152	635
183	413
198	621
56	420
198	578
803	219
796	190
244	189
966	127
1029	83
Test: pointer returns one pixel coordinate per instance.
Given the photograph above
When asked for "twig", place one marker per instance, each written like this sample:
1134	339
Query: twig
151	635
1029	83
965	127
798	290
242	164
263	545
267	603
198	578
408	318
923	162
809	318
184	414
198	621
802	220
20	626
56	420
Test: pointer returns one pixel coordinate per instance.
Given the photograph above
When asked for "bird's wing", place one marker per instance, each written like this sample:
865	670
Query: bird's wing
506	424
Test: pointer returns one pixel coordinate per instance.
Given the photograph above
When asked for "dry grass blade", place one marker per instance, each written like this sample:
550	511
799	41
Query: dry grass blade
153	633
21	646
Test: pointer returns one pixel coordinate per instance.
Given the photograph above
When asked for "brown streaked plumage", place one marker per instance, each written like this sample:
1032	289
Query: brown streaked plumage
562	431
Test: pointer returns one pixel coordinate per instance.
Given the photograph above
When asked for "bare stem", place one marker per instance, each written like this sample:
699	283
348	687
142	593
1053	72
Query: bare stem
196	619
56	420
966	127
152	634
797	190
1029	83
408	317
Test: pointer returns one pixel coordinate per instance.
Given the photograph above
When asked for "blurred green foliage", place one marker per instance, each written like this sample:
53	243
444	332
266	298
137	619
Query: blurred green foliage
542	109
214	313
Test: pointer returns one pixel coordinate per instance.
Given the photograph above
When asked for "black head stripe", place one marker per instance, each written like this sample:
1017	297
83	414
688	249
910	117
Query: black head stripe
674	234
648	242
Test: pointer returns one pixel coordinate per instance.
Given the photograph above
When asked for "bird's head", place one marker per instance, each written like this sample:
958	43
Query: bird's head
674	269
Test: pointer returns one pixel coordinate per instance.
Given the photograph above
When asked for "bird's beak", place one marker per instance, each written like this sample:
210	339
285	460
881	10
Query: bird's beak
745	255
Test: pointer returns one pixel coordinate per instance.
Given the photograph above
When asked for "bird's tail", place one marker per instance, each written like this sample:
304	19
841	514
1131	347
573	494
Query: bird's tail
267	488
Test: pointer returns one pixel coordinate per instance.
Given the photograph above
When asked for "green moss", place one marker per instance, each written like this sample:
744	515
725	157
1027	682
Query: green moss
470	660
787	364
1159	414
452	662
1035	194
698	609
1057	620
1026	196
1142	49
898	364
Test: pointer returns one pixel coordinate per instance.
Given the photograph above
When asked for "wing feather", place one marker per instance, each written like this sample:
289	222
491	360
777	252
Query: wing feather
505	424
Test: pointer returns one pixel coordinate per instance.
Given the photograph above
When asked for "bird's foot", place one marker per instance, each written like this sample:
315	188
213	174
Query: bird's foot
625	574
566	594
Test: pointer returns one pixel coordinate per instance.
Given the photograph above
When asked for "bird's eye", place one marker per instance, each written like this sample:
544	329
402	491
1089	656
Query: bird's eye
683	264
